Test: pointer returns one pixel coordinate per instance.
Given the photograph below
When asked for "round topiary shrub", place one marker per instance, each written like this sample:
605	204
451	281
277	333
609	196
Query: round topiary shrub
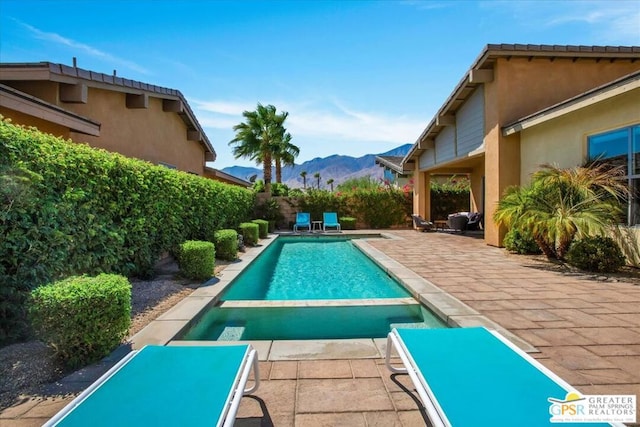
521	242
226	243
598	254
197	259
250	233
83	318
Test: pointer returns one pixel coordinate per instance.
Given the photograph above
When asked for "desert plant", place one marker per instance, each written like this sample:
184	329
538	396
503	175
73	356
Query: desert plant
226	244
562	204
250	233
83	318
197	259
596	253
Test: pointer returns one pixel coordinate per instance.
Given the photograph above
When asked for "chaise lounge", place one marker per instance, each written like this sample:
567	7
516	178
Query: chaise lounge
421	223
476	377
330	219
167	386
303	220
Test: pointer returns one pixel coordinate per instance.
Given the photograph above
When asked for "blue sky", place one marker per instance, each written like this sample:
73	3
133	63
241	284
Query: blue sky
356	77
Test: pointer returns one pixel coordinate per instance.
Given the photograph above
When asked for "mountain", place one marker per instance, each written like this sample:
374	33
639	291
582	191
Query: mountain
336	167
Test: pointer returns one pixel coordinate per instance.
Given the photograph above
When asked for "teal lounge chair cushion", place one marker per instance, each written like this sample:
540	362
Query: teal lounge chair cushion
170	386
479	381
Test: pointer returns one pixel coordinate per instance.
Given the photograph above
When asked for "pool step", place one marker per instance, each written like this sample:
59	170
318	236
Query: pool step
232	333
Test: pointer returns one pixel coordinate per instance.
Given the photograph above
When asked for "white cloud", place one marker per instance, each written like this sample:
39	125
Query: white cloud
331	121
84	48
611	22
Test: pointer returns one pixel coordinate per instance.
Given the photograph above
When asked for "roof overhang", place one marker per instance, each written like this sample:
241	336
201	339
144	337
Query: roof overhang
481	72
394	165
223	176
594	96
137	92
15	100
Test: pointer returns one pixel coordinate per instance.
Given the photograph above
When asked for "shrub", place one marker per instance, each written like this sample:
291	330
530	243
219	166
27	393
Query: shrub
347	223
69	209
84	318
598	254
197	259
250	233
263	227
449	197
521	242
226	244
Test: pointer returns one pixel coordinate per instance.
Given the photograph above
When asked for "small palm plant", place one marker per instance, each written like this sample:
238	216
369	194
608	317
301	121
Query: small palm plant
562	204
303	174
330	182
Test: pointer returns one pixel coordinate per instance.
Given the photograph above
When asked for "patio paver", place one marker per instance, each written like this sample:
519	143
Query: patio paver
586	331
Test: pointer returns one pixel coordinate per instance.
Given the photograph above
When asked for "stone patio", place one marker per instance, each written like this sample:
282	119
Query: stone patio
586	331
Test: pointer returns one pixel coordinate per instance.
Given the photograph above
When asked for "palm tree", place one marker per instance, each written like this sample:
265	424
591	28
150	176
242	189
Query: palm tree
303	174
284	154
562	204
256	137
330	182
317	176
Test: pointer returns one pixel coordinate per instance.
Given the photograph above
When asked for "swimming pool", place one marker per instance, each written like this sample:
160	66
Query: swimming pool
308	288
303	322
311	268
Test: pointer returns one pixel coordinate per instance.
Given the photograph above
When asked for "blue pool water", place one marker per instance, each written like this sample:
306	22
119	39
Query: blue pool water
294	268
293	323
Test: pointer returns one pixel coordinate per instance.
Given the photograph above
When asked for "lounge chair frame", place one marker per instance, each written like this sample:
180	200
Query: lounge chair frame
435	412
228	415
298	224
326	224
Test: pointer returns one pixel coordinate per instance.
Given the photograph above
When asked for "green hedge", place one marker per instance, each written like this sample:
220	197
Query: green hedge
197	259
226	243
347	223
83	318
68	209
250	233
263	227
598	254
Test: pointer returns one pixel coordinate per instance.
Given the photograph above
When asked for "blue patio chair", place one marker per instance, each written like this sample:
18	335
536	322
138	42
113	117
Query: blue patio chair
476	377
167	386
303	219
330	219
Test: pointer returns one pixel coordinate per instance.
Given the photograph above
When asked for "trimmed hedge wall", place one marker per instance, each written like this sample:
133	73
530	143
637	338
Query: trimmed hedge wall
84	318
68	209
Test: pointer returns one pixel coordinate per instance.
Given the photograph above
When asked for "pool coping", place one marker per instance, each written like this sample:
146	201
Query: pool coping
183	315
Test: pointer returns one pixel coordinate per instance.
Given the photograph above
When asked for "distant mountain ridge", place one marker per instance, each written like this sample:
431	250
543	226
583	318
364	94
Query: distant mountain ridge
336	167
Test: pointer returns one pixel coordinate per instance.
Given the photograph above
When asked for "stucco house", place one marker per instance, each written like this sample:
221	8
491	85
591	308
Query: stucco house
135	119
520	106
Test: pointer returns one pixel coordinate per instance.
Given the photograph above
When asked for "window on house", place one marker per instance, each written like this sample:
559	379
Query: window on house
621	147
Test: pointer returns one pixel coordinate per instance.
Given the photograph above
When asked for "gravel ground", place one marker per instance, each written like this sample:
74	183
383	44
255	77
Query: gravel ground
28	369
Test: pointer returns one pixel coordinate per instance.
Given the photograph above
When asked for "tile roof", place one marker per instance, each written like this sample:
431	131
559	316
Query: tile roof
66	74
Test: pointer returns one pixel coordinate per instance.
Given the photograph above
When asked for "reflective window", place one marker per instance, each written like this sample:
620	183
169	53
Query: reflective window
621	147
